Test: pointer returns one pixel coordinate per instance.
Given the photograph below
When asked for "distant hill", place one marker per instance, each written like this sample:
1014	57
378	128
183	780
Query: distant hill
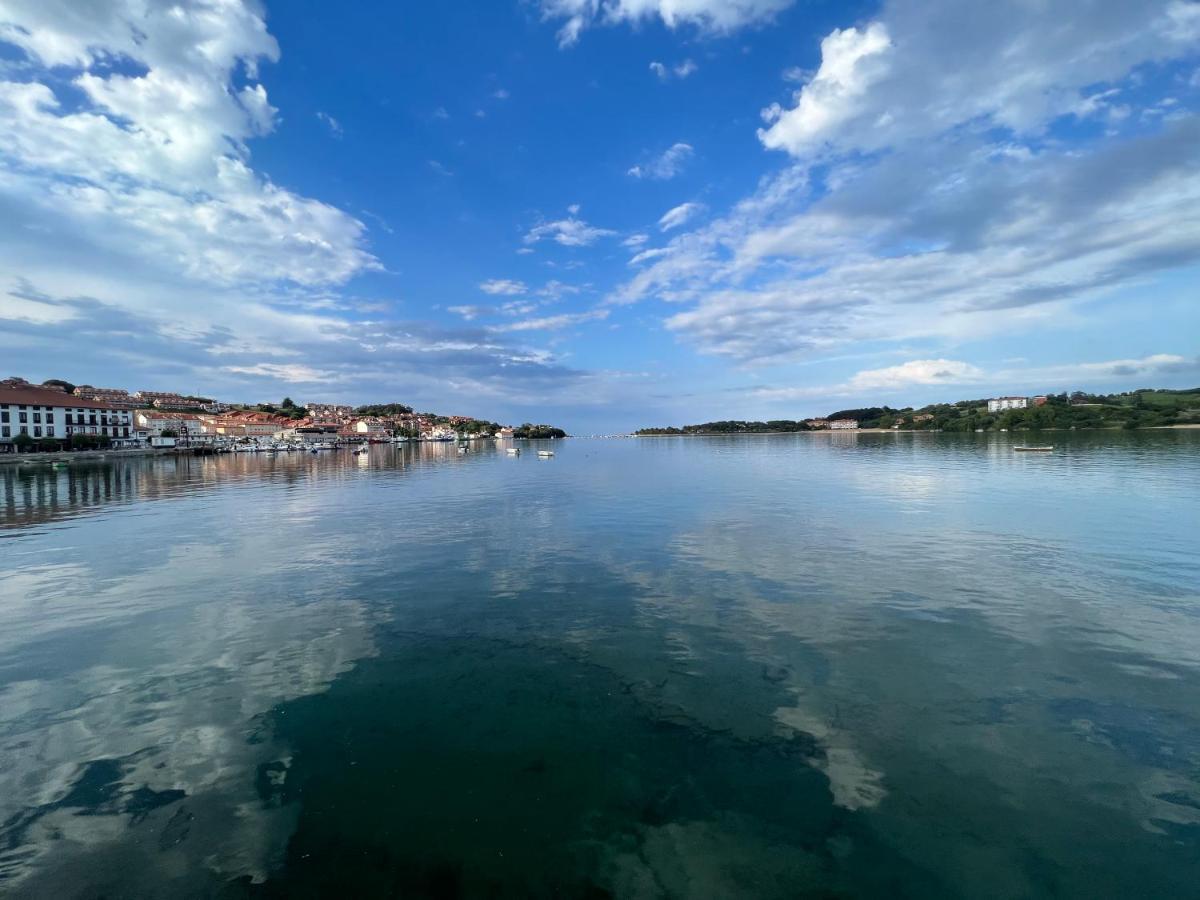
1143	408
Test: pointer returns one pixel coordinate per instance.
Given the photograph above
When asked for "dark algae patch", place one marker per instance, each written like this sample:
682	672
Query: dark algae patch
464	767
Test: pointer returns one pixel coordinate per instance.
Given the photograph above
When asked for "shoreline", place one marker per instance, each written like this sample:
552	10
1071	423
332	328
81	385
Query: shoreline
1179	427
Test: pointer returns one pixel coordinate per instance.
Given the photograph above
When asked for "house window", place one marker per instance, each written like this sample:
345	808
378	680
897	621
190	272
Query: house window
37	430
50	431
23	417
5	431
50	418
37	418
4	416
24	429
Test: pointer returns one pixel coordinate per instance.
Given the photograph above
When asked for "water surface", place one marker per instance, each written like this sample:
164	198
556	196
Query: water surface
834	665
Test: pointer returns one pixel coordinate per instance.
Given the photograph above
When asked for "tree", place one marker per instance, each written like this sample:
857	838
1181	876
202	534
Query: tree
287	403
58	382
170	432
23	443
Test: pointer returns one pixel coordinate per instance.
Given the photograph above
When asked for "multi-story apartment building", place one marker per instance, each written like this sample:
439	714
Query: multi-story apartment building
843	424
42	413
1002	403
371	425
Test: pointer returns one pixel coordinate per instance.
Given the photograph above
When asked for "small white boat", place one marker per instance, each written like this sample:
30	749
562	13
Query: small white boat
545	454
513	451
1045	449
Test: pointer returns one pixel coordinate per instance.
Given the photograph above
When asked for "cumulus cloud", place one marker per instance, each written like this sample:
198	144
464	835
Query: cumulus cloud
708	16
503	286
921	69
851	61
160	158
947	205
138	241
917	371
666	165
679	215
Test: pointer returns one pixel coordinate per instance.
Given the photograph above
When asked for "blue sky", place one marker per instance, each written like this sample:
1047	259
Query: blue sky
601	213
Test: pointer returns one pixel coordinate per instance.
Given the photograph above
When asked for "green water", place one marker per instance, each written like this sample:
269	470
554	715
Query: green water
802	665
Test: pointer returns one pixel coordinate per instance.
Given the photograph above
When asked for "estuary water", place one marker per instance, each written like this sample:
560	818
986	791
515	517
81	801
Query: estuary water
860	665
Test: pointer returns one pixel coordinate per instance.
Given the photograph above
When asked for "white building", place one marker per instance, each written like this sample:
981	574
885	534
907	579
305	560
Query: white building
843	424
47	413
1002	403
371	425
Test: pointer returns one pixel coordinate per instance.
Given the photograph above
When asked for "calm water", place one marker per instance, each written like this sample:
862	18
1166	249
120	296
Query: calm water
872	665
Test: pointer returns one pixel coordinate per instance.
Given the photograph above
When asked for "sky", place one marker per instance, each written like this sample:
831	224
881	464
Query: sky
601	214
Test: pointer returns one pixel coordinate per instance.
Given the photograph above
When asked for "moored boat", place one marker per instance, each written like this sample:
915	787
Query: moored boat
1032	449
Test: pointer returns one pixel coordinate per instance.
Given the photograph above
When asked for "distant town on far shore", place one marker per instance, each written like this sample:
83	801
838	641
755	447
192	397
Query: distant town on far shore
1142	408
59	415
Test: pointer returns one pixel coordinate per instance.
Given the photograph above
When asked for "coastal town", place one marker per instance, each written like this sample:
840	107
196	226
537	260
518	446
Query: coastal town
57	415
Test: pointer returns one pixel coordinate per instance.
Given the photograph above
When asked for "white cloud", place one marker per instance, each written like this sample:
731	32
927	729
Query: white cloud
503	286
1106	372
159	158
870	384
920	69
685	68
138	241
555	290
666	165
917	372
470	313
569	232
554	323
648	255
851	61
501	94
710	16
288	373
974	222
440	168
679	70
334	126
679	215
635	240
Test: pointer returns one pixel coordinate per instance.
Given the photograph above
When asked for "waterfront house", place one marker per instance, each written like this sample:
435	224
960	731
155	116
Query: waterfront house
43	412
843	424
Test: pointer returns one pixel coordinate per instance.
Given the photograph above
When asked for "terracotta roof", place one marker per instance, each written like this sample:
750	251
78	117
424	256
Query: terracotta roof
39	396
